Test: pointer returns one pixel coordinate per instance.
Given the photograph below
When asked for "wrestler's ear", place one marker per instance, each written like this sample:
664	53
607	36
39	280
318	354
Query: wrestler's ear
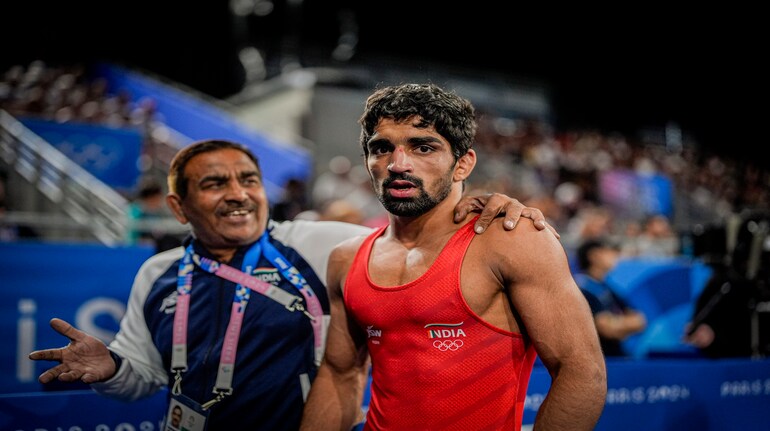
465	165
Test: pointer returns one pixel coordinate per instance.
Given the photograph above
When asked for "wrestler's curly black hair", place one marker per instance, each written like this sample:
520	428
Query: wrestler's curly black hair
452	116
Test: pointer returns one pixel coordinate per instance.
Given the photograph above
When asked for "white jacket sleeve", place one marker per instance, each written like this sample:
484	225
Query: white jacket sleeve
314	240
141	372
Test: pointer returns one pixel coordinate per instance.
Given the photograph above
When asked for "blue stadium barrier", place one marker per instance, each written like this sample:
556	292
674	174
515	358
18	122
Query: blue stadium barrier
661	395
81	410
109	154
88	285
676	395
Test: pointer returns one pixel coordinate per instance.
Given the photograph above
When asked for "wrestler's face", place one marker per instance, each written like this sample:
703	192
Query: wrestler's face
412	168
226	203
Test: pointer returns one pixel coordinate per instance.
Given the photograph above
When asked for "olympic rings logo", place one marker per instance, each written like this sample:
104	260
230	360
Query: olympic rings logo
445	345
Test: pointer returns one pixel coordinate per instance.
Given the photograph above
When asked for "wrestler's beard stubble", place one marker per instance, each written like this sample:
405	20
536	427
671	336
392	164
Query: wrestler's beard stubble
413	207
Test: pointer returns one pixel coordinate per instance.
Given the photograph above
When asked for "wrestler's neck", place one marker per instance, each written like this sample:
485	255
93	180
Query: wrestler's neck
435	223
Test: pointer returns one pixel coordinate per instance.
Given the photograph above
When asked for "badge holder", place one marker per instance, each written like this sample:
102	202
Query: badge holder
184	414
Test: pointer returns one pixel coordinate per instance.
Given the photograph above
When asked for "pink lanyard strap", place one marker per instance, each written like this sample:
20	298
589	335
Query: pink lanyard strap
244	282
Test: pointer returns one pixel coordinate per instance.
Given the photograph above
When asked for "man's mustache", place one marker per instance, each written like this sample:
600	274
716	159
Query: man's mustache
401	177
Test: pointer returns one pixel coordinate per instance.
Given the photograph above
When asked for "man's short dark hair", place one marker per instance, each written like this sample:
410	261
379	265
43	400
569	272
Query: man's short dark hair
177	182
585	249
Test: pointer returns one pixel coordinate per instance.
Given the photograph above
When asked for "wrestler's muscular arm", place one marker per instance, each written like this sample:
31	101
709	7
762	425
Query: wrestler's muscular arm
557	319
334	402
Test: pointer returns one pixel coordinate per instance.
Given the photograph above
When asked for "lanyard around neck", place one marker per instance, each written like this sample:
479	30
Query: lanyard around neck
245	282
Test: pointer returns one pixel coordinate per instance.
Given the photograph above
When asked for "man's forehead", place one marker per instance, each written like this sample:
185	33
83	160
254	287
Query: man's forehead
212	161
410	125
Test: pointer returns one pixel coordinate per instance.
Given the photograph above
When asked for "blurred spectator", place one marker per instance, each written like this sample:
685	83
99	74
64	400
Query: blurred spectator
629	239
148	206
341	210
570	196
11	231
293	202
334	183
364	200
615	319
657	238
591	222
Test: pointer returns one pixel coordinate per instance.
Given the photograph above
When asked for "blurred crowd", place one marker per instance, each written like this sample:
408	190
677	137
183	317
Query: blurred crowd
564	173
586	183
69	94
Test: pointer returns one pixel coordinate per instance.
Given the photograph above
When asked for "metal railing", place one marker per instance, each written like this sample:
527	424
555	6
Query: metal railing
55	186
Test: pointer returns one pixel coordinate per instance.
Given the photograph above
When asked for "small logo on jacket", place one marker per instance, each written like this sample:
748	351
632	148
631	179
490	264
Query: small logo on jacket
268	275
446	336
168	305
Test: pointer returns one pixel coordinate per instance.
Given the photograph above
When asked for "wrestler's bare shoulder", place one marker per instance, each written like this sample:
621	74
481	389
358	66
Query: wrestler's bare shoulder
524	242
348	247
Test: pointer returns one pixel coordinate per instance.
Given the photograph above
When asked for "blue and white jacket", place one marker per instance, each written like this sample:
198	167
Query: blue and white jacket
275	358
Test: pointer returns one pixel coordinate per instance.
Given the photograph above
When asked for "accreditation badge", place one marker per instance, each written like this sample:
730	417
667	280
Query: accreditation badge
184	414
